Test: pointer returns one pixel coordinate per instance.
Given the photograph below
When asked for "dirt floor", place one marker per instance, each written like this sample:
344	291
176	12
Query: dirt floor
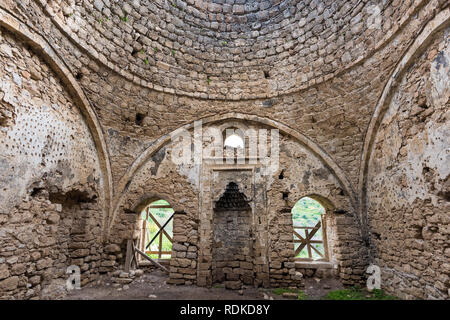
152	286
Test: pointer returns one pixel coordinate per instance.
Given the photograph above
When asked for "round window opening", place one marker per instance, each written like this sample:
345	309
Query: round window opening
234	141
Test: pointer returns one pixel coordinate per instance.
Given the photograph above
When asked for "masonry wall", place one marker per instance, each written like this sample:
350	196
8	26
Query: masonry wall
160	178
302	174
50	205
193	192
334	110
408	191
318	68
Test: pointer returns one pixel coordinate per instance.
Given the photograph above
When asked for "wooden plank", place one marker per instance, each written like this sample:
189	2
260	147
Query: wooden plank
298	236
310	241
144	230
318	252
308	246
159	231
157	252
152	261
300	248
135	256
314	230
307	240
128	256
324	237
160	244
160	227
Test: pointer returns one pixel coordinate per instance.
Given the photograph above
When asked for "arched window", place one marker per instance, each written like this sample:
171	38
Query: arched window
233	138
310	242
157	230
234	141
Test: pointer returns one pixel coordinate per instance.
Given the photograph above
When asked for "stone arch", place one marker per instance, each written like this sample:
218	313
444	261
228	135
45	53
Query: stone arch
141	225
324	201
311	249
439	22
328	161
44	49
343	235
147	199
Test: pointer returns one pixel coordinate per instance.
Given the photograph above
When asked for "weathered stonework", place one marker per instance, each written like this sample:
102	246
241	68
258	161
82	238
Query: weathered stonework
50	207
408	195
91	92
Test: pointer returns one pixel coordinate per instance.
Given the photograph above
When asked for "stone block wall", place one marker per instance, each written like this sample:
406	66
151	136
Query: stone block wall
50	203
184	262
200	232
232	243
408	194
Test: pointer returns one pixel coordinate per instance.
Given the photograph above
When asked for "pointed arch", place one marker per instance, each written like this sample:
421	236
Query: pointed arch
324	157
39	45
439	22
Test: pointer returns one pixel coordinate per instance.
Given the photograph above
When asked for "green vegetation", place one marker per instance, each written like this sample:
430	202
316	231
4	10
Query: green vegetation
208	79
124	18
224	43
306	212
355	293
300	294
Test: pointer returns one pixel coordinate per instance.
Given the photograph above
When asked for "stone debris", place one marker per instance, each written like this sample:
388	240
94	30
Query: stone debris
290	295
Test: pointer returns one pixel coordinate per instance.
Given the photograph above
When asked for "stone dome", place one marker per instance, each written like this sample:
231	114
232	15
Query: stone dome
231	49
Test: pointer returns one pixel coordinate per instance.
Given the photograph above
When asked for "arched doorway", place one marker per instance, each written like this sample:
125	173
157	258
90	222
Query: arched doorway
157	230
310	236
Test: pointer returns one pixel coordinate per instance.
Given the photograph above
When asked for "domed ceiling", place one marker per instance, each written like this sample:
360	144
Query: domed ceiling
232	49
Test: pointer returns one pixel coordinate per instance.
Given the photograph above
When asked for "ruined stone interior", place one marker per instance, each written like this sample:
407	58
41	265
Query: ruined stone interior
355	93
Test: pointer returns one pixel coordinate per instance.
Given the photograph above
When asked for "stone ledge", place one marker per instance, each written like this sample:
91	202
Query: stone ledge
313	265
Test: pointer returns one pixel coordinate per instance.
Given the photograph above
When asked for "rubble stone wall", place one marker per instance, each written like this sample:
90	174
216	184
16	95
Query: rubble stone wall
194	193
50	204
408	190
146	68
